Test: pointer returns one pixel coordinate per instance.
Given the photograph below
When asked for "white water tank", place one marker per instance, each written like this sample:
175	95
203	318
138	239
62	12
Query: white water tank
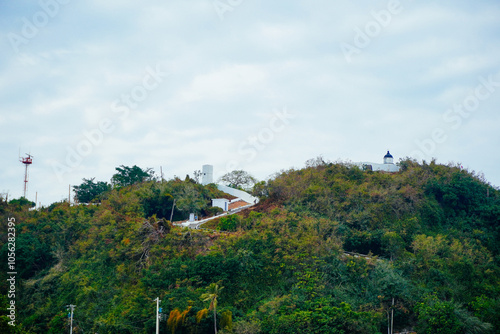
207	174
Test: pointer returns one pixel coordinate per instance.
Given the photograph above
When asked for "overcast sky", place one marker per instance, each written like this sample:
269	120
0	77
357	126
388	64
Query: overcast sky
86	86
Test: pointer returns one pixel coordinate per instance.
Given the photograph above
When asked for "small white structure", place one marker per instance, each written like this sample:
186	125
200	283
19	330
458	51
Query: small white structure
242	199
222	203
387	166
207	174
191	217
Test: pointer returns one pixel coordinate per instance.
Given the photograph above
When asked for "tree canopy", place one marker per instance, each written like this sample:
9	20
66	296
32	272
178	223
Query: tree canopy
239	179
330	248
127	176
90	190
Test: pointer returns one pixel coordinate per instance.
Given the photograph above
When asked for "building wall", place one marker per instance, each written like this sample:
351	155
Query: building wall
378	167
385	167
238	193
207	176
221	203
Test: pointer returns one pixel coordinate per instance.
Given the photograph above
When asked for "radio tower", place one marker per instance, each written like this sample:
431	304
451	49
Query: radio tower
26	161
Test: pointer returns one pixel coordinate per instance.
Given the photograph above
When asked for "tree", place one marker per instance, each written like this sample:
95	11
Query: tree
197	175
22	204
127	176
392	244
239	179
316	162
89	190
260	189
211	296
436	316
247	327
229	223
189	199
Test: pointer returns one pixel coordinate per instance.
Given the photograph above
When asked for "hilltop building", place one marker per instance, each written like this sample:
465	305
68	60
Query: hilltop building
238	198
207	174
387	165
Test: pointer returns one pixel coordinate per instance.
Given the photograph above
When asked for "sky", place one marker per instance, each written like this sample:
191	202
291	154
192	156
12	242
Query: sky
256	85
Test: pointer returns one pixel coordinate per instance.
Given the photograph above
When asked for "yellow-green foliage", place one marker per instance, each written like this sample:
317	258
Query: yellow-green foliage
226	321
201	314
177	318
291	265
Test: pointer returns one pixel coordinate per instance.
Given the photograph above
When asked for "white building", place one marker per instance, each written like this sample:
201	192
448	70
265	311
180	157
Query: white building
387	166
222	203
239	199
207	174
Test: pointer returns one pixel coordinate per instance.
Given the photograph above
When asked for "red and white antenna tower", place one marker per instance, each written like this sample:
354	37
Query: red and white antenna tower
26	161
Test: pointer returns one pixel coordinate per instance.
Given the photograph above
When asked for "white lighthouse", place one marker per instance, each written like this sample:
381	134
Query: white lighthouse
388	159
387	166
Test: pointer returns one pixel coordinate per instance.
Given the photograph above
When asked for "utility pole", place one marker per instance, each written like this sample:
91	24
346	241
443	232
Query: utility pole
157	315
392	316
72	308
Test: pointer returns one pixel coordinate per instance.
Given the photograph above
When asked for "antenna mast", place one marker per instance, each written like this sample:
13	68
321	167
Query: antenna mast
26	161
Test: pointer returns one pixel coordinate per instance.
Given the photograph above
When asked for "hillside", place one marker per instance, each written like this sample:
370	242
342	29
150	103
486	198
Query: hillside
428	239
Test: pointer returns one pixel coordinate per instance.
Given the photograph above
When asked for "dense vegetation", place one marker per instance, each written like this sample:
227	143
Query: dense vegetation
430	235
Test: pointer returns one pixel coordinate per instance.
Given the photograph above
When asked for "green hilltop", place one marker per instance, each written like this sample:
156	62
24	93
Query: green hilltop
330	248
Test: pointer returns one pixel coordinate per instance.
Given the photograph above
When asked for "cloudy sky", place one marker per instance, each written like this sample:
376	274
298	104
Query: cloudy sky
243	84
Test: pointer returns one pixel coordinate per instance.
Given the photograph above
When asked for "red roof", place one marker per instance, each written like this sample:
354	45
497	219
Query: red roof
237	204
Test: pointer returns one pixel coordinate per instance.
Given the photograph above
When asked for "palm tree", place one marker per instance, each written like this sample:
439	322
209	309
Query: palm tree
212	294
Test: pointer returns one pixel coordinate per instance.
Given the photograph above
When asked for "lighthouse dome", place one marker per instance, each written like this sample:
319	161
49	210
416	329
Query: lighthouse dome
388	159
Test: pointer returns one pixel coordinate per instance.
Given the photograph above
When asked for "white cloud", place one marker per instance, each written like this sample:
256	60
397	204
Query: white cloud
226	78
226	83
